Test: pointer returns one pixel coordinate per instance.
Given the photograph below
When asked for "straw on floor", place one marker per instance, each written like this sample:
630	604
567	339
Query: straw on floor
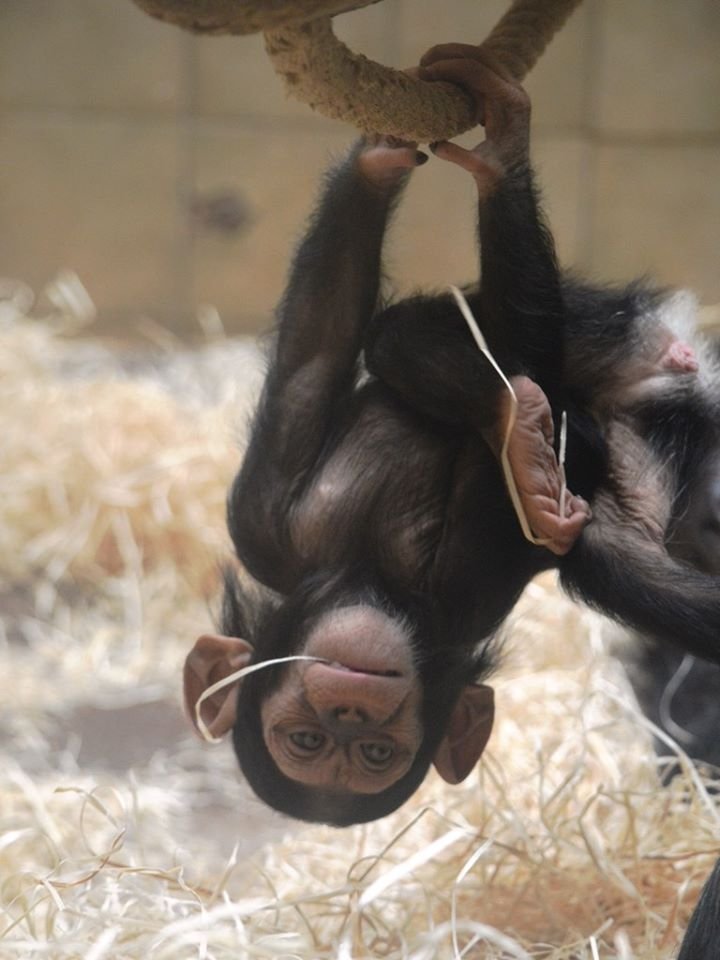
562	844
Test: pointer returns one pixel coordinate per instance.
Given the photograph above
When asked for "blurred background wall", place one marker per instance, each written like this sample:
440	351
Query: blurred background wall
171	172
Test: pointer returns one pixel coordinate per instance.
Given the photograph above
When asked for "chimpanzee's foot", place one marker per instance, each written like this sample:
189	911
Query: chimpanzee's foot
554	516
385	161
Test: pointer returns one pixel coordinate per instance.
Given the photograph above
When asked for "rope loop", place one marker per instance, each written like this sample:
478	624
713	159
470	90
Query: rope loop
323	72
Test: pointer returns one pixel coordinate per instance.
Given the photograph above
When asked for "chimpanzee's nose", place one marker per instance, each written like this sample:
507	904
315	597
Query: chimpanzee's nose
346	697
350	715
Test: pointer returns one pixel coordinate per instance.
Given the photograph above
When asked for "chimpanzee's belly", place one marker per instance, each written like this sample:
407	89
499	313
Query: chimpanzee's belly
379	496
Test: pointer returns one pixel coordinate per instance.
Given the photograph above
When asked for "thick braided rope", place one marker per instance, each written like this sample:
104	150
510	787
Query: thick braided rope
323	72
244	16
519	38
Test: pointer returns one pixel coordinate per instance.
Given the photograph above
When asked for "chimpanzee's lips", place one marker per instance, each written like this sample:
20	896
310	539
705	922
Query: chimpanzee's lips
335	665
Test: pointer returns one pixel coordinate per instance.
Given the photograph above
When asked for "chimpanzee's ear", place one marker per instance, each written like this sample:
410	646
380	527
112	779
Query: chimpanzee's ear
468	731
212	659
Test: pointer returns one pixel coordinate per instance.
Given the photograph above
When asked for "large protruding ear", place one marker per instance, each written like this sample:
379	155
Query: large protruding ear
212	659
468	731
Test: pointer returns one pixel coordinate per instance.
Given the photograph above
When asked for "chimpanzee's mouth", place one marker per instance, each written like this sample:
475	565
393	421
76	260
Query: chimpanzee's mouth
335	665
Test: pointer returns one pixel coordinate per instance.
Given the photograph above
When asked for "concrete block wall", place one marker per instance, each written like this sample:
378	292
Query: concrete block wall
171	172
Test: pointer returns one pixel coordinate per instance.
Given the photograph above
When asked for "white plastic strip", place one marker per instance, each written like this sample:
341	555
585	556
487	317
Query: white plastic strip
504	460
233	678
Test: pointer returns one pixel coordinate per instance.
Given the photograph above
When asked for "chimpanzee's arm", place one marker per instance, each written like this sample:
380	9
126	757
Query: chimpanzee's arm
330	297
622	566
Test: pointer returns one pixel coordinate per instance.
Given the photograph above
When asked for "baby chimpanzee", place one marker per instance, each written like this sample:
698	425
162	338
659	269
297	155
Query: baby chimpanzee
371	508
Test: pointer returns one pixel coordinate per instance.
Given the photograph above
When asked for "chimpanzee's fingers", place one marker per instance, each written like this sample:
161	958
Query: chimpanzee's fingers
560	534
477	77
466	51
399	155
577	507
384	160
448	51
445	150
479	162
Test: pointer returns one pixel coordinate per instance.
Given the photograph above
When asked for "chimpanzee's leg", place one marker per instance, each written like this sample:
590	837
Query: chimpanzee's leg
421	349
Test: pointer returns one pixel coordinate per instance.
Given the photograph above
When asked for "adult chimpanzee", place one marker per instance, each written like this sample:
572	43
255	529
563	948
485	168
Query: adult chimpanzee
703	932
371	507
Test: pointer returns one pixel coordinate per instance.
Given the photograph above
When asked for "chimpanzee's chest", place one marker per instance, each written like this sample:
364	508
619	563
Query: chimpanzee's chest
379	495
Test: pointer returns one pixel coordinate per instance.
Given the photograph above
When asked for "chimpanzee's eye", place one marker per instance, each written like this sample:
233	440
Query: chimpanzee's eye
308	741
377	754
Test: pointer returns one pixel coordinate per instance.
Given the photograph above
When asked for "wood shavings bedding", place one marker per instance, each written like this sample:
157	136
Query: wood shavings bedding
562	844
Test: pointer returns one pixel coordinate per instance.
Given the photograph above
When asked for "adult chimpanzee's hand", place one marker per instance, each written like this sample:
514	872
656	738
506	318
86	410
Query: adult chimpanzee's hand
503	108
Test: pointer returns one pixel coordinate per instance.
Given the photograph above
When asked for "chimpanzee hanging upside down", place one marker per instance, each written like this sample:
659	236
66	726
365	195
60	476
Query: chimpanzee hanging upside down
371	507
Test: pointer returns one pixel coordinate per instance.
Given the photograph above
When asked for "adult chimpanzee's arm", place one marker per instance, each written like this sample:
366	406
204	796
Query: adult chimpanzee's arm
330	297
703	932
622	566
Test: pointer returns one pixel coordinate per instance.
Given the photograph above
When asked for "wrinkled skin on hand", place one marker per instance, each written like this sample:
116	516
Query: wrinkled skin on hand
555	515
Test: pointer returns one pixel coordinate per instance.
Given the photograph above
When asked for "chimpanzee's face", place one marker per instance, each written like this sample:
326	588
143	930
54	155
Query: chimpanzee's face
352	721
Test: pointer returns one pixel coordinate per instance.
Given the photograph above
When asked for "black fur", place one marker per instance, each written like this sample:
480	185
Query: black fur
702	938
